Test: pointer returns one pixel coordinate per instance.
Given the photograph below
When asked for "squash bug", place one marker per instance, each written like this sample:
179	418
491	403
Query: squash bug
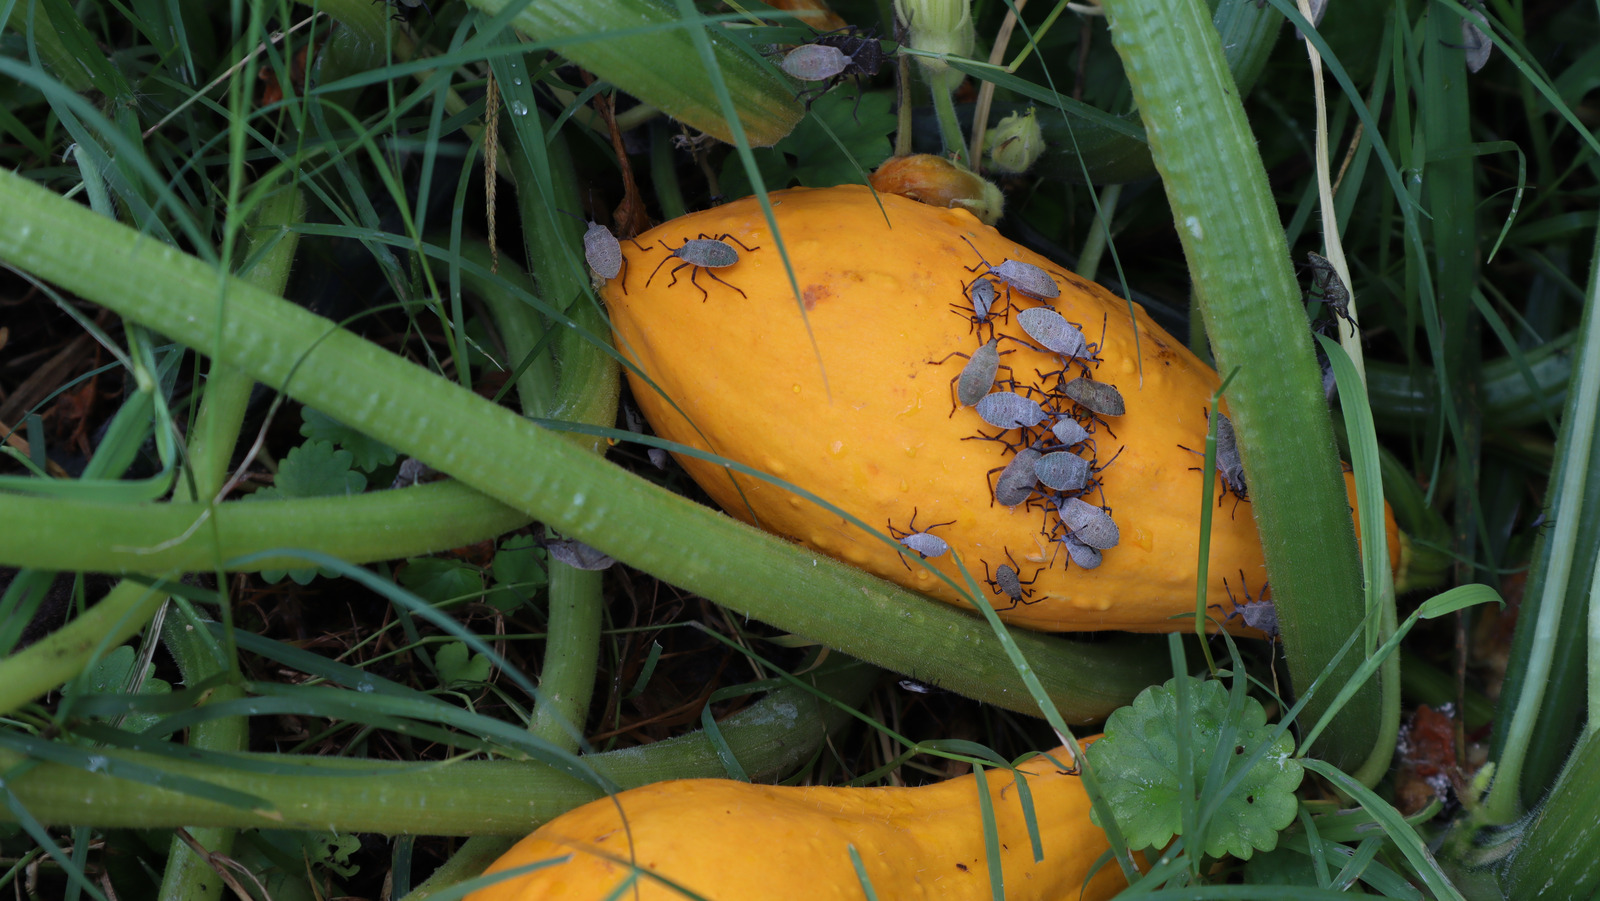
860	51
1100	397
1069	431
603	251
977	377
1009	410
1230	467
923	541
980	307
703	253
1017	478
814	62
1259	614
1327	287
1062	471
1088	523
1081	554
1008	582
1052	330
576	554
1024	278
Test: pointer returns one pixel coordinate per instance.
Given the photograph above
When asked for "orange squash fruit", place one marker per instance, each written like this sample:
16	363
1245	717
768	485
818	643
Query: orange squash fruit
734	841
847	403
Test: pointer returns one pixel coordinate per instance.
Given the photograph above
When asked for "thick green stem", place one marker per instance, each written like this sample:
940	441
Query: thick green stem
1553	603
1558	850
61	655
1247	292
770	738
533	470
72	535
188	877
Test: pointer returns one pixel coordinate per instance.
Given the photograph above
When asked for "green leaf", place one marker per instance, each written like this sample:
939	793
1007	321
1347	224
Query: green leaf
835	145
313	469
369	453
1137	763
111	674
519	570
456	667
437	580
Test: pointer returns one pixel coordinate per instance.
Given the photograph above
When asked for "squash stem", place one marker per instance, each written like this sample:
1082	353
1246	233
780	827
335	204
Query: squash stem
1247	293
495	797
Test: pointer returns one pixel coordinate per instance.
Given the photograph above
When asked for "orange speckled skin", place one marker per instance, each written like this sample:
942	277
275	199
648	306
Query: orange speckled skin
877	439
733	841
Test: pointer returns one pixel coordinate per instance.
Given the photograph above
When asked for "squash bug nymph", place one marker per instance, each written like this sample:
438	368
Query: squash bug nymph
1259	614
1081	554
1007	581
1062	471
1100	397
1088	524
814	62
1052	330
1024	278
1009	410
977	377
1017	478
923	541
702	253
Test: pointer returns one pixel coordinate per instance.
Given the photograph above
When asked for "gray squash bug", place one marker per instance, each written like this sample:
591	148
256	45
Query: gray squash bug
1052	330
861	51
1327	287
1100	397
1069	431
577	555
603	251
980	308
1008	582
1024	278
1062	471
1230	466
1017	478
814	62
1088	523
922	541
1259	614
1009	410
703	253
977	377
1081	554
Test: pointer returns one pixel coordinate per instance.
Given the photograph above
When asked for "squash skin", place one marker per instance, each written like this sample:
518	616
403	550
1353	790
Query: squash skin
734	841
877	439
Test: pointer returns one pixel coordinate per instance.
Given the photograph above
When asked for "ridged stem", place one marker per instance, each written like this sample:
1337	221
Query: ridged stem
1246	290
503	797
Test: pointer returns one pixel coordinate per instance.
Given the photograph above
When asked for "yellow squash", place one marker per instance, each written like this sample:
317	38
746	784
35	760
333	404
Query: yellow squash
847	403
733	841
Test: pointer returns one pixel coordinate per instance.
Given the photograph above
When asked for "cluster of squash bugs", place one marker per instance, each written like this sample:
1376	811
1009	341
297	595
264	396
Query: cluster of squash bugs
1046	428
